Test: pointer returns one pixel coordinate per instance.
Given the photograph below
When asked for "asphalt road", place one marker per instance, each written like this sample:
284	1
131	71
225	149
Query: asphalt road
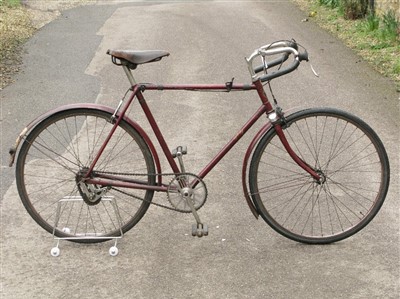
242	257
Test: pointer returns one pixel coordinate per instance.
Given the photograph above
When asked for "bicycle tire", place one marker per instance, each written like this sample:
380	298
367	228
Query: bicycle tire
50	159
349	155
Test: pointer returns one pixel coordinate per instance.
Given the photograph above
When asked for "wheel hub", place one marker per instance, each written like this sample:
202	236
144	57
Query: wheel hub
322	177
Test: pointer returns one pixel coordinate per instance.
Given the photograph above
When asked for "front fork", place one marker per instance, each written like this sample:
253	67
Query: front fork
277	121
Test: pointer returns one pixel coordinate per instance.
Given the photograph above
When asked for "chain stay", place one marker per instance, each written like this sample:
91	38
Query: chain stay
146	174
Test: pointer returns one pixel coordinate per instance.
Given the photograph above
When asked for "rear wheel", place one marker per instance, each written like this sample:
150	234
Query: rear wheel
351	160
56	154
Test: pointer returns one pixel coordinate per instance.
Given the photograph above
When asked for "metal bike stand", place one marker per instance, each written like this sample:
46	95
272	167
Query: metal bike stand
113	251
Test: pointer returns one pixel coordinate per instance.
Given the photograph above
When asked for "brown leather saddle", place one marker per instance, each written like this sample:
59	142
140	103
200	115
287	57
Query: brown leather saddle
133	58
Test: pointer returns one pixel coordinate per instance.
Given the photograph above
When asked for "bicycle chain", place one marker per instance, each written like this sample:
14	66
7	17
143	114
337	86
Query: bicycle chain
146	174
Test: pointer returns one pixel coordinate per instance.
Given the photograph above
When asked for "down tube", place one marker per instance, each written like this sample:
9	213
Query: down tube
157	132
233	141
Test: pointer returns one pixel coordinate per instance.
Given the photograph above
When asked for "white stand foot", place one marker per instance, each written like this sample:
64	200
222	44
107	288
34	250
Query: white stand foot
55	251
113	251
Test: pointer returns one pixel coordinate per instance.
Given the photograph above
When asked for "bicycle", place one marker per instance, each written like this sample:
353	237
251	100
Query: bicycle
316	176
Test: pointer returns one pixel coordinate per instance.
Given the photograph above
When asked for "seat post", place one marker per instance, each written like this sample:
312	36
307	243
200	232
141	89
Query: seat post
129	75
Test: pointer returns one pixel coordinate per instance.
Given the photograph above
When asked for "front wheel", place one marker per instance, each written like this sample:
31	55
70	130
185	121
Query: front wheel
349	157
56	154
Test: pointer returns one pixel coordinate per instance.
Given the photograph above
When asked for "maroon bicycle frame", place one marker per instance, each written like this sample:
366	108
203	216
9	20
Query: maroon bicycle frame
137	92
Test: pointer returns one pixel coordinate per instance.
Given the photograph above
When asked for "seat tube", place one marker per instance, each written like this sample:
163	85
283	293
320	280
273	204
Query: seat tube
128	73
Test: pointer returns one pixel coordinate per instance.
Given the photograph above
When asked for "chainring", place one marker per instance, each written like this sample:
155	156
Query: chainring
184	187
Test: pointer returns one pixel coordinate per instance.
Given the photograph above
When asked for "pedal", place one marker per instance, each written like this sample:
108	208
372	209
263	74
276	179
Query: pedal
199	230
179	151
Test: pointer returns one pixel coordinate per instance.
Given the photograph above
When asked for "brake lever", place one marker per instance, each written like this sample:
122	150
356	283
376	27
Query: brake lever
312	68
314	72
304	56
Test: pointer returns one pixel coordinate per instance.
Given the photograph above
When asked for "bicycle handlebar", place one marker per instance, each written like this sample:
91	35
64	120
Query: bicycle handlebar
272	63
285	48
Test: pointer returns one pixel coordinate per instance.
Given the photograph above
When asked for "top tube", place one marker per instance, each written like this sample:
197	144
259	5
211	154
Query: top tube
227	87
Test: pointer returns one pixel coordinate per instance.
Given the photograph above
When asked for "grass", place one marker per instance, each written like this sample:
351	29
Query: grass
10	3
374	38
15	29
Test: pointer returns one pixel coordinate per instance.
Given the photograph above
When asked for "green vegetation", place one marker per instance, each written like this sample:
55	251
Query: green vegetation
330	3
376	38
15	29
10	3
